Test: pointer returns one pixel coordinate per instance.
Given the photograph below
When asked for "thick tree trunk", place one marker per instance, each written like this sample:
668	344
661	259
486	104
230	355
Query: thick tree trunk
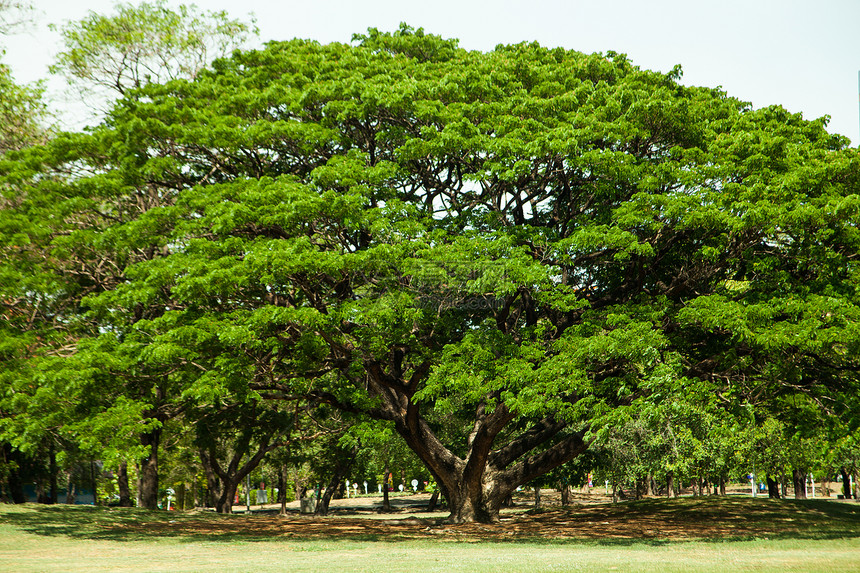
722	486
798	478
223	481
148	476
282	487
846	483
772	488
222	487
537	497
226	495
475	484
479	495
122	484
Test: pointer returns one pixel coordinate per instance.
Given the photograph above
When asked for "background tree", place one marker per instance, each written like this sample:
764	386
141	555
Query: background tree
144	43
14	15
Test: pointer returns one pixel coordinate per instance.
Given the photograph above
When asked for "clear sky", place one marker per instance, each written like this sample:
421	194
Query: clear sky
802	54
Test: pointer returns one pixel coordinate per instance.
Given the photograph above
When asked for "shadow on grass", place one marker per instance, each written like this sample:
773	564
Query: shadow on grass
651	522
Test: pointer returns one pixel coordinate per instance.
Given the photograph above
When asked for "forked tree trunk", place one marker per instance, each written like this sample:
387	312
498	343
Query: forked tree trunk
224	480
476	491
476	484
222	486
226	495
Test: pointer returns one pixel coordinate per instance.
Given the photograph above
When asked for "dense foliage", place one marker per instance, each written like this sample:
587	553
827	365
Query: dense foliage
504	255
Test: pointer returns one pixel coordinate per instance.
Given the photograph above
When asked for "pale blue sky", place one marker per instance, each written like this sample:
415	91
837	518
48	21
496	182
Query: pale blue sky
804	55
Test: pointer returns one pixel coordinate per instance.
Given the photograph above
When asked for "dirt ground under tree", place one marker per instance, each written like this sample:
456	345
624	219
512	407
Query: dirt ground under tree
588	517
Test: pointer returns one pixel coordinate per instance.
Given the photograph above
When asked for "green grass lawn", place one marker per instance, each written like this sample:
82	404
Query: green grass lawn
775	536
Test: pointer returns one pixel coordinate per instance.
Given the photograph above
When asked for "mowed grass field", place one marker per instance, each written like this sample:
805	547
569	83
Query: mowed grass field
687	534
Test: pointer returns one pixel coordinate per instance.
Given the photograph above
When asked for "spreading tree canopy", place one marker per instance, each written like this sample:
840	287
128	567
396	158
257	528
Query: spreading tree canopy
498	253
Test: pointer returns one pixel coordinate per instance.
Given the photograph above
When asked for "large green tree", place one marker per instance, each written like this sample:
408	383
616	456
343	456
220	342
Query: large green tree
497	253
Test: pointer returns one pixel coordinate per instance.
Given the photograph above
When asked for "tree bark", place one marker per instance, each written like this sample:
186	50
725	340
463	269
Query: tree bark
15	487
70	489
670	485
386	503
474	485
798	478
148	476
223	481
434	499
652	485
122	484
772	488
846	483
52	473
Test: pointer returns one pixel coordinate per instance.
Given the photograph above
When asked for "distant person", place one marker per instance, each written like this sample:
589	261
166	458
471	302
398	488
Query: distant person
261	495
